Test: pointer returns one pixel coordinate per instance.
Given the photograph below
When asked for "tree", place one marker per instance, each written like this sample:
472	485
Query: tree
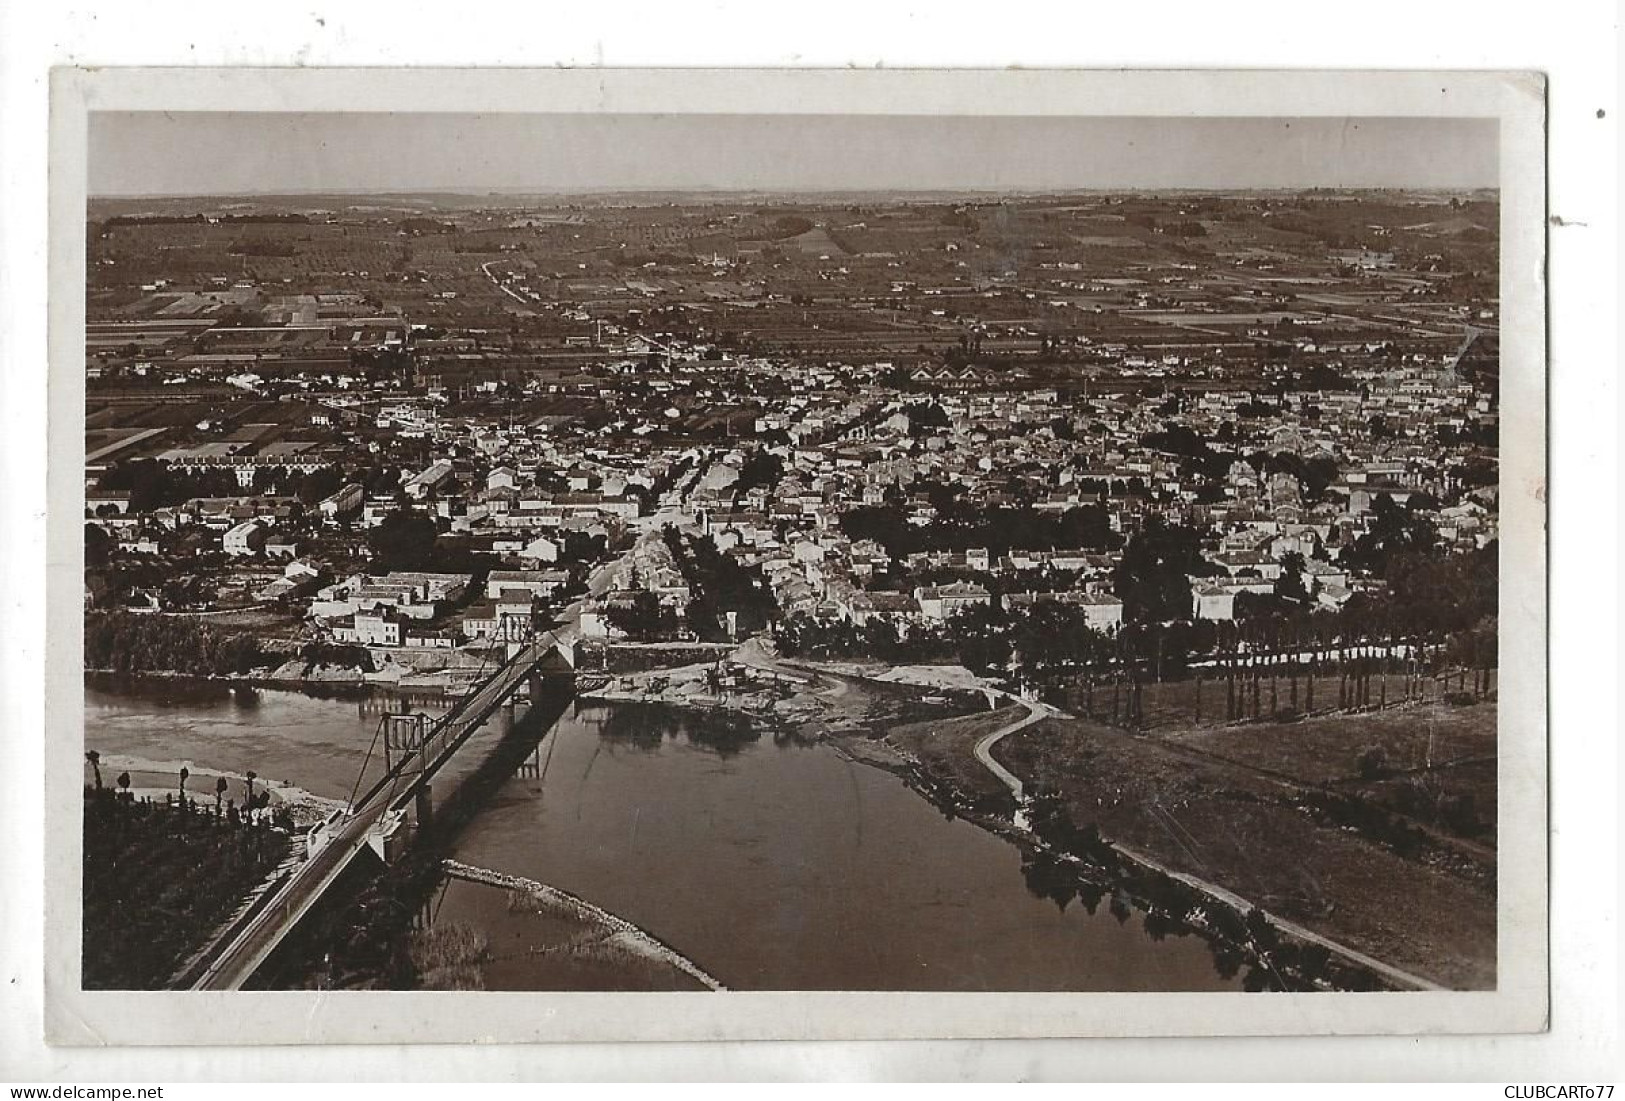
1393	531
639	618
760	468
984	655
925	418
95	760
1289	585
220	787
135	643
1372	763
320	484
404	540
186	774
700	619
124	785
268	478
1152	577
98	546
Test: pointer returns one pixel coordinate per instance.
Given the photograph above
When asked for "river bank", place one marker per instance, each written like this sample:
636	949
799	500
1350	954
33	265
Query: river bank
338	683
321	677
1384	851
951	775
160	779
814	702
946	761
396	685
1070	862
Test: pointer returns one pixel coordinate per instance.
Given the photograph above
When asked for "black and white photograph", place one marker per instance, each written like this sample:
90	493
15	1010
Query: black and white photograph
722	552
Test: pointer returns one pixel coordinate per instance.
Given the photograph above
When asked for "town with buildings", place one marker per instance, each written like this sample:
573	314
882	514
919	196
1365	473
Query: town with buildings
1087	451
882	414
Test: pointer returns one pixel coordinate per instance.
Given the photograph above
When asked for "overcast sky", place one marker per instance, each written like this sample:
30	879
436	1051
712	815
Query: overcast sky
224	153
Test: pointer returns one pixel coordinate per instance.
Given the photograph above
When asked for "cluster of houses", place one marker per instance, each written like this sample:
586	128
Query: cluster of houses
791	531
522	492
395	609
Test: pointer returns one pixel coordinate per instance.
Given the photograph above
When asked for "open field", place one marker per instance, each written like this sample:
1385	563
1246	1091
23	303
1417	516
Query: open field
265	623
1431	754
1323	750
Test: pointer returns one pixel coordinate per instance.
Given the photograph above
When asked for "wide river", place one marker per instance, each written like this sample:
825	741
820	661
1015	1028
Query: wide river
769	863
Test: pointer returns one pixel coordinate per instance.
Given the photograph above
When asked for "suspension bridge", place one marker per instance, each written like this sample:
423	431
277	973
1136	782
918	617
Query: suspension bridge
412	748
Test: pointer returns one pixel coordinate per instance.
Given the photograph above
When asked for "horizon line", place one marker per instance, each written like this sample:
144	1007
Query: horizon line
608	190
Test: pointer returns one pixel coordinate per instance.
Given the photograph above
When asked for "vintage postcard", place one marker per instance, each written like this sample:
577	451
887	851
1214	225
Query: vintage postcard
766	554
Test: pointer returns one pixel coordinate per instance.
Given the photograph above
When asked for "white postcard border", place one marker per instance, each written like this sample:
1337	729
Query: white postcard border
75	1017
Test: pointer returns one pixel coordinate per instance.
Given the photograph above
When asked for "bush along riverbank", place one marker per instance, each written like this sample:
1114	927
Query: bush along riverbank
448	957
126	642
160	878
140	644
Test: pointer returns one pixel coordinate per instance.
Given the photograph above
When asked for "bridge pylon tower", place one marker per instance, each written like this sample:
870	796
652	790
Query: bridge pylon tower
404	734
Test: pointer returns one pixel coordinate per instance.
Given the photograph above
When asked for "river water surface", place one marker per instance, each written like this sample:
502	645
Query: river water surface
770	863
